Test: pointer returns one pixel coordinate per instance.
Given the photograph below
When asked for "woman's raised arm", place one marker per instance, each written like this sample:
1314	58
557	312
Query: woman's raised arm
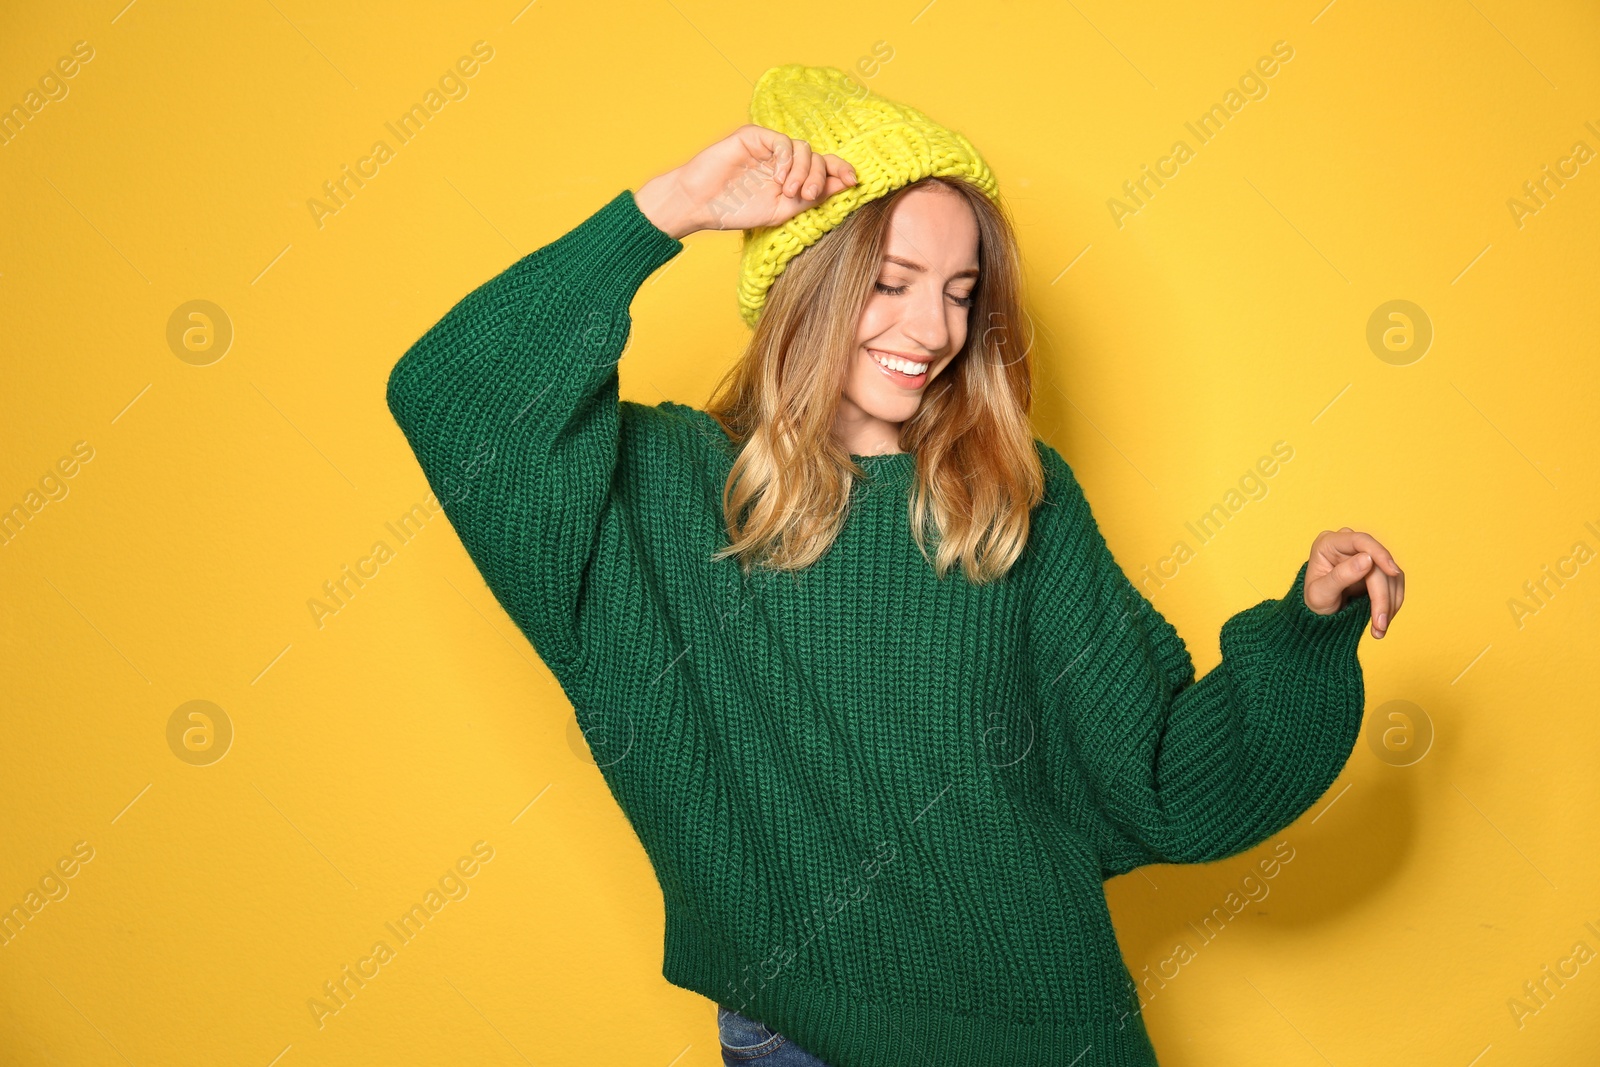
510	400
510	404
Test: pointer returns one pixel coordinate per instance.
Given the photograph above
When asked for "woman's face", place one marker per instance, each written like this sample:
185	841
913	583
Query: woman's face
915	318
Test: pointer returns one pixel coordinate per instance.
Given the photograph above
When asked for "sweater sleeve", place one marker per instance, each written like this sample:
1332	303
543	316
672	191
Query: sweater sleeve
1183	771
510	404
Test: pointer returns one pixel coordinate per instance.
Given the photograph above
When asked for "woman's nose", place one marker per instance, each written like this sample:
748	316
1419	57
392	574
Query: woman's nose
925	323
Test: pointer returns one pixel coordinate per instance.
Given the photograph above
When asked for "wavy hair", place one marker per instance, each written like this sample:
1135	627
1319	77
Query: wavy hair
978	474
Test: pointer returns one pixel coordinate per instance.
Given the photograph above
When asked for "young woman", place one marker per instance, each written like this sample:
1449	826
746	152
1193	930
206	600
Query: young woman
851	651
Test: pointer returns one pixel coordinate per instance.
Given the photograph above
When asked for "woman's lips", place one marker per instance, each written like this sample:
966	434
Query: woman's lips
910	381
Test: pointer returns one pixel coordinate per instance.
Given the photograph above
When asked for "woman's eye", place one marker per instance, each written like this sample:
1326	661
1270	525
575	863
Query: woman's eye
896	290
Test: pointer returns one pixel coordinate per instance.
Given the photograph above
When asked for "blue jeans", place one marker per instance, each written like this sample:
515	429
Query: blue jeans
745	1041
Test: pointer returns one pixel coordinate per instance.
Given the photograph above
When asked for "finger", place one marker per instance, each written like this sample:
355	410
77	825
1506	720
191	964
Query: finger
1335	546
1397	597
1331	587
815	181
839	175
838	168
800	170
1341	541
783	155
1365	542
835	185
1352	570
1378	593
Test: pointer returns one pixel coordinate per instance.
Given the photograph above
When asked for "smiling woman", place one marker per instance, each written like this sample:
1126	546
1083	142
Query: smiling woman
897	369
853	867
916	319
892	257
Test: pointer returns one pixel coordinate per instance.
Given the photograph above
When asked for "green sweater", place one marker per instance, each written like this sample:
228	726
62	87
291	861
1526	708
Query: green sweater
880	806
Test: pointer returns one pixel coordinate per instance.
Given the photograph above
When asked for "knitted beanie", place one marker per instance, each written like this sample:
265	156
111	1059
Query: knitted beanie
888	144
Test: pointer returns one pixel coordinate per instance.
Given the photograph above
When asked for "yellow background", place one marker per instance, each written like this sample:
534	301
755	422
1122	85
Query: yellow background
372	752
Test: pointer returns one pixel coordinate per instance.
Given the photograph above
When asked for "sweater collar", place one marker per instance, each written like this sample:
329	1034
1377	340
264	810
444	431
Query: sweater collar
888	469
891	469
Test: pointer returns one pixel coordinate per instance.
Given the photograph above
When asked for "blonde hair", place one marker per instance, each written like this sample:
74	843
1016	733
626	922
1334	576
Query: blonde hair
978	473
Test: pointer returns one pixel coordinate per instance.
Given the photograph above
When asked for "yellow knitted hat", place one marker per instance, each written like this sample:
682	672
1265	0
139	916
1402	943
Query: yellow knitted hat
888	144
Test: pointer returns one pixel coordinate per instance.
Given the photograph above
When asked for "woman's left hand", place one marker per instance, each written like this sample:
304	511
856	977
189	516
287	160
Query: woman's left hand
1346	562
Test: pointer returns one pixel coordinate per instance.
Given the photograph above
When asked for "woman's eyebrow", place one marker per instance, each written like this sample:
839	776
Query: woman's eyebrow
970	272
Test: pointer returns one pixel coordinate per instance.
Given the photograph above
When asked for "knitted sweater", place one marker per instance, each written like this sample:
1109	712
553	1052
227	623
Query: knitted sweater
880	806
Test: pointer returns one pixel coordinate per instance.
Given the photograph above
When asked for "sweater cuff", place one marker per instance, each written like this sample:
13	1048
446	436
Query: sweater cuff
611	253
1346	623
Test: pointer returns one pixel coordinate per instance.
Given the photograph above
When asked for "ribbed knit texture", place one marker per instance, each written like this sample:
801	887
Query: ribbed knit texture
887	144
881	806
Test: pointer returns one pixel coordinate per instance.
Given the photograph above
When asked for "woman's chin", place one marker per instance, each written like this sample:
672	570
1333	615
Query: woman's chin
893	407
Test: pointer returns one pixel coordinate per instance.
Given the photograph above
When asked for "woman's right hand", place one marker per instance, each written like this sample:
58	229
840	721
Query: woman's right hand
753	177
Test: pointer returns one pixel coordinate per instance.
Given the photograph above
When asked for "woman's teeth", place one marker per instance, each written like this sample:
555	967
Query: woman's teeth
904	366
